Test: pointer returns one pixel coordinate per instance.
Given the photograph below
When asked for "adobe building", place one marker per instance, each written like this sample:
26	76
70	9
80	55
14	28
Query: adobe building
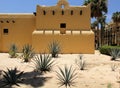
112	34
69	25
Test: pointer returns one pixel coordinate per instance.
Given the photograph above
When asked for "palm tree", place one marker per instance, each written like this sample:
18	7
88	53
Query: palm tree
95	28
98	8
94	25
102	21
116	20
116	17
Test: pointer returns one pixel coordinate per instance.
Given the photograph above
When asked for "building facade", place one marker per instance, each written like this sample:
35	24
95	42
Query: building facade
112	34
69	25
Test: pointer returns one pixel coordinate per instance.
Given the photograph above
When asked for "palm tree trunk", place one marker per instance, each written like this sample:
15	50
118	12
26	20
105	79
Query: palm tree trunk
102	33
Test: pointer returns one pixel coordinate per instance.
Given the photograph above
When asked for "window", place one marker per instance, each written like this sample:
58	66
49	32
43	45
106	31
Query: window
7	21
80	12
53	12
13	21
62	6
63	25
5	31
44	13
117	27
71	12
1	21
34	13
62	12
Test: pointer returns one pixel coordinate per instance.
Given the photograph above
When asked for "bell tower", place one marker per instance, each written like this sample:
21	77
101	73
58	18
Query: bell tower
63	4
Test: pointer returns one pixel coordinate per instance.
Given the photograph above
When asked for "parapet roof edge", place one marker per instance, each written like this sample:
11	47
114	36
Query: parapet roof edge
16	13
69	6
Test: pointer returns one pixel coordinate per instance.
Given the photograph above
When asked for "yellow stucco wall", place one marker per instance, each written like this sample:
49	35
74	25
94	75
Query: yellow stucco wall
26	29
73	22
19	32
70	43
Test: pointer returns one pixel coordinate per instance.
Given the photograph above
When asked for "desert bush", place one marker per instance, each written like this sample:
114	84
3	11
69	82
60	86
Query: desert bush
54	48
106	49
66	76
114	67
109	85
81	63
81	56
27	53
11	77
13	51
114	53
43	63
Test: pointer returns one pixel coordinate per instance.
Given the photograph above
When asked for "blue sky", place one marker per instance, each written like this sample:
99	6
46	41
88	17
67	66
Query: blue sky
29	6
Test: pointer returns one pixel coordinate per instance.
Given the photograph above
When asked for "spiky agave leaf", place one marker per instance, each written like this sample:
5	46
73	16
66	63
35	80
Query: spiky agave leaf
27	52
11	77
54	48
81	63
13	50
43	63
115	53
66	76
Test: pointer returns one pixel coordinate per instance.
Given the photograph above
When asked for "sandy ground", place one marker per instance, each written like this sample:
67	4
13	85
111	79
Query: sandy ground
97	73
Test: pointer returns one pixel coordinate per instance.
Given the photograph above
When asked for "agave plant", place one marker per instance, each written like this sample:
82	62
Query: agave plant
43	63
11	77
81	63
27	53
115	53
113	67
13	51
54	48
66	76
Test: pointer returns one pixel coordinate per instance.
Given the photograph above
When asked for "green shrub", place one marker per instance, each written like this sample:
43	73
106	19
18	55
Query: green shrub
66	76
54	48
106	49
11	77
43	63
13	51
27	53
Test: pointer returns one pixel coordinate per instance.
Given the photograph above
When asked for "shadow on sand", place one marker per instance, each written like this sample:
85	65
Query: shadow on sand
34	79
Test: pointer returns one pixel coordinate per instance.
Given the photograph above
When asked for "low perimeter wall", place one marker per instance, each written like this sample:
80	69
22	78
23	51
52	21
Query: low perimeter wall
71	42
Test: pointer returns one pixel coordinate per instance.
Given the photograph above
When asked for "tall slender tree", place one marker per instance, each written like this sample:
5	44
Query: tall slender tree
95	28
102	21
98	9
94	25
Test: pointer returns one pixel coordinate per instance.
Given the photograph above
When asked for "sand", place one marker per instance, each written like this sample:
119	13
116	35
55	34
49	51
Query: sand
97	74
